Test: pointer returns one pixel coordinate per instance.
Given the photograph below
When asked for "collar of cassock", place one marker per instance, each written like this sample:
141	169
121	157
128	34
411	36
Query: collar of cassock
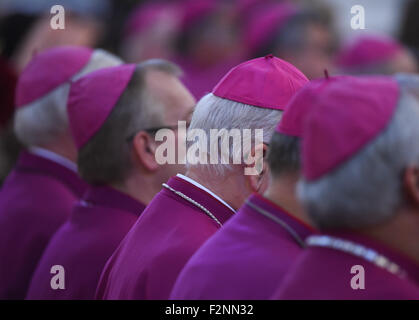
35	164
104	196
216	207
300	227
404	262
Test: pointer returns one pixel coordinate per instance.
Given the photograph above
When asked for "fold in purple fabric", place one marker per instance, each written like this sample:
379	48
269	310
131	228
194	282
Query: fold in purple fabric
35	200
325	273
170	230
83	244
246	259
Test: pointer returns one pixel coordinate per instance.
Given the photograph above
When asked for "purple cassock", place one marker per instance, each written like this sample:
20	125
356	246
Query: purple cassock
171	229
247	258
329	269
84	243
35	200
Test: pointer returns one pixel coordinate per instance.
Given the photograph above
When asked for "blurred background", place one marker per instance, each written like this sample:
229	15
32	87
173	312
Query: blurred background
208	37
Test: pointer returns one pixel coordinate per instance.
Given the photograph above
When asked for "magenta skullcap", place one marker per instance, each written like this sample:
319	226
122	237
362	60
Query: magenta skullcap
267	82
148	14
195	10
265	22
346	116
48	70
93	97
295	112
367	50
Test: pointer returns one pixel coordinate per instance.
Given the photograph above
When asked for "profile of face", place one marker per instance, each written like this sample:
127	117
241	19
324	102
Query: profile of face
177	105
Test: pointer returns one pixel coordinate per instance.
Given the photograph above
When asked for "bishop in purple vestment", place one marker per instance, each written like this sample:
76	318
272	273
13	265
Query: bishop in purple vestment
109	112
37	196
250	256
191	208
360	187
173	228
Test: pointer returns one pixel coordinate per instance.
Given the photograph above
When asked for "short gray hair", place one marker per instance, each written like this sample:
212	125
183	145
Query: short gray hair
367	190
213	112
284	154
106	157
41	121
409	82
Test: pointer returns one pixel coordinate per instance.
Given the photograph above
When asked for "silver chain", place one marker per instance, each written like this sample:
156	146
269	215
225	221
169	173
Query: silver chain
200	206
290	230
357	250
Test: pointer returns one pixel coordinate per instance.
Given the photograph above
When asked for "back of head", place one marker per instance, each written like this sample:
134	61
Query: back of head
284	155
362	185
42	96
250	97
374	54
284	148
230	119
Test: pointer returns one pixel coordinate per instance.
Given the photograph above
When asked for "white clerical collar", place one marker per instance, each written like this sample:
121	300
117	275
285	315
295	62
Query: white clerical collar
200	186
47	154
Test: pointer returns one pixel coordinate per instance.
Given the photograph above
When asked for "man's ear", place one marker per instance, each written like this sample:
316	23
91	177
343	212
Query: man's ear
144	149
411	184
259	182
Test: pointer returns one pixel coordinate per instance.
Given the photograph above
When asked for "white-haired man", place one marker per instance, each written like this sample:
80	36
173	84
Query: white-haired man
37	196
191	208
360	187
249	257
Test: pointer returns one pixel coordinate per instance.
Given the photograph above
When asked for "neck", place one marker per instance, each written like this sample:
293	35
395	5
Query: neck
141	188
63	146
399	234
281	191
227	188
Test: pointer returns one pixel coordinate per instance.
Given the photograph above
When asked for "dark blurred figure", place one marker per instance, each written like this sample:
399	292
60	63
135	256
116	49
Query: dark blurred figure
9	146
120	11
151	31
373	54
8	80
13	28
209	43
302	37
25	28
409	29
